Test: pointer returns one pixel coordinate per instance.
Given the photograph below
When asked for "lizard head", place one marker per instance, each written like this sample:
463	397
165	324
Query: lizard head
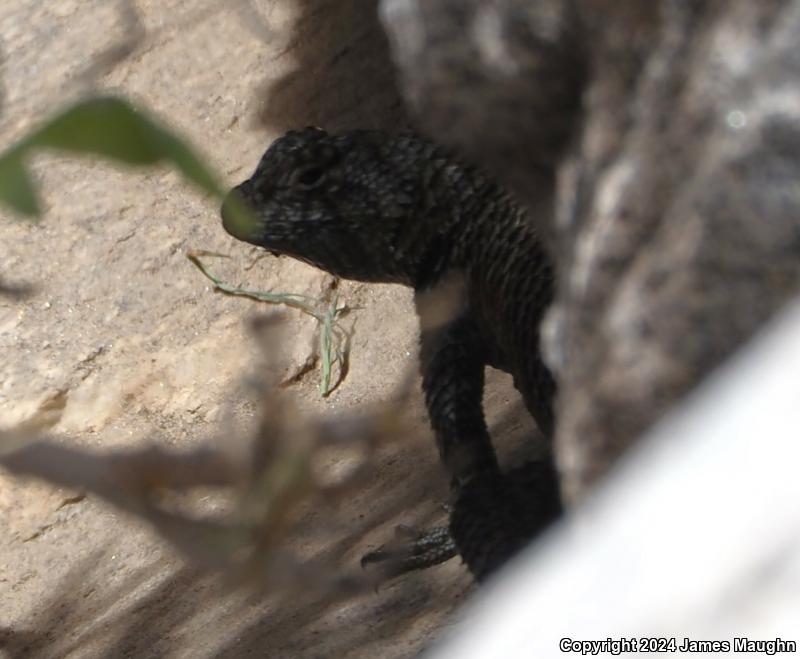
350	203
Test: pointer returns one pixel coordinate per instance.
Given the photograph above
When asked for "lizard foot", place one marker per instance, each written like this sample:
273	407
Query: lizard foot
496	514
411	550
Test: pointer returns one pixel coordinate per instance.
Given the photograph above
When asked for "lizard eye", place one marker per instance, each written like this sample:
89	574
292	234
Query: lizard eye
307	178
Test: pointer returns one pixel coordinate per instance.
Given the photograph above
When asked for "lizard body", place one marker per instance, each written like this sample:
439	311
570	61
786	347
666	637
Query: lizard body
395	208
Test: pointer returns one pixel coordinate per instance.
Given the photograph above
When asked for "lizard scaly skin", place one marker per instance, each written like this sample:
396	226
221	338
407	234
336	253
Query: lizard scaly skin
379	207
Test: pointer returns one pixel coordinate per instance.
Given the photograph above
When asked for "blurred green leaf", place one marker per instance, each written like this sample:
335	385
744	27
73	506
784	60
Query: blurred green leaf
16	187
104	126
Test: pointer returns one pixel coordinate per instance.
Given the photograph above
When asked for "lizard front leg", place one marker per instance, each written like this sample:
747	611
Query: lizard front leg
452	379
452	360
492	514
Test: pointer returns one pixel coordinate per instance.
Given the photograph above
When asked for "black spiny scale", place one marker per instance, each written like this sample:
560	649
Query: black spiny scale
379	207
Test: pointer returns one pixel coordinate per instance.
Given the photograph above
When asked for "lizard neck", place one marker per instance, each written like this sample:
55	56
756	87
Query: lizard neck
465	212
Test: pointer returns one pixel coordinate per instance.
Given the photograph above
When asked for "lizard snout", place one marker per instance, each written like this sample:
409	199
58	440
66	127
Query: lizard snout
237	218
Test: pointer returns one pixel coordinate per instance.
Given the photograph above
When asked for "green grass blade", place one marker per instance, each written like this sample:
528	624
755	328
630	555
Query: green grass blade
332	337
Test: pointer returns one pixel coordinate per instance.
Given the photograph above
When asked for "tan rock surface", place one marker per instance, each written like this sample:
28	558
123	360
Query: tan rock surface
123	342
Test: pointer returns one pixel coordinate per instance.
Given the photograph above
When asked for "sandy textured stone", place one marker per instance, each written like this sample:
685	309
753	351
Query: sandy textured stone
124	343
658	146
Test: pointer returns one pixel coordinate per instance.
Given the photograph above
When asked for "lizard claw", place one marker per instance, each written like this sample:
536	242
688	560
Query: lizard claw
411	550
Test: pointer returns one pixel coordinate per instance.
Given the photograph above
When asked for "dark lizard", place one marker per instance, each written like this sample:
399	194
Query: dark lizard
395	208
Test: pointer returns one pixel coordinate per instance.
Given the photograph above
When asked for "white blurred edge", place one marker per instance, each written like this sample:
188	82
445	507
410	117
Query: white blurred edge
696	535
